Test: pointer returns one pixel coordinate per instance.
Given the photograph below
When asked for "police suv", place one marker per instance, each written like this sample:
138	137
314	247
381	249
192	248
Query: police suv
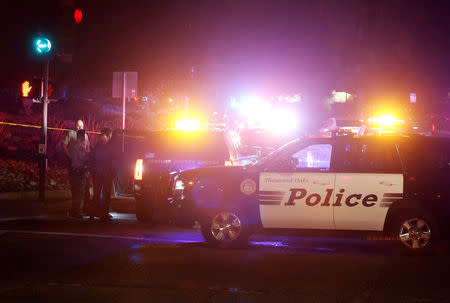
398	185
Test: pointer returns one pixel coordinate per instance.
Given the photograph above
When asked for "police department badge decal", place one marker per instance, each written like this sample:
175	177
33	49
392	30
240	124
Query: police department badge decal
248	186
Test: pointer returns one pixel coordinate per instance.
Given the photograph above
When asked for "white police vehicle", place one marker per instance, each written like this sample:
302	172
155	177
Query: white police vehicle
398	185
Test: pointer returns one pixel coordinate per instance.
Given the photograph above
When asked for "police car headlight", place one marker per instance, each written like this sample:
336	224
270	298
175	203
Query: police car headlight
179	185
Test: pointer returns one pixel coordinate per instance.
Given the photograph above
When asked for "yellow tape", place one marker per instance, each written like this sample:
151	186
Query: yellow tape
62	129
38	126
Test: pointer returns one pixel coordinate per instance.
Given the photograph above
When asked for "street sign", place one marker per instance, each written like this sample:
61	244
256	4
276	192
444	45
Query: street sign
412	98
42	45
41	148
130	84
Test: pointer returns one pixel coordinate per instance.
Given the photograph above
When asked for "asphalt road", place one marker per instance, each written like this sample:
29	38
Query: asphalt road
45	257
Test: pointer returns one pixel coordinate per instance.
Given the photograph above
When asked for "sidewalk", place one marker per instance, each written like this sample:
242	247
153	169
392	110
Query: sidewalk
33	195
56	203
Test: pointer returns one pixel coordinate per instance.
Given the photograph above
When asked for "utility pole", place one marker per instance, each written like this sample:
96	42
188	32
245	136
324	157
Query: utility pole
43	144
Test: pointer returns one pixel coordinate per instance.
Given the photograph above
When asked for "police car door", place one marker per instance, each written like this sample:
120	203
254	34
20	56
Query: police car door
368	180
299	195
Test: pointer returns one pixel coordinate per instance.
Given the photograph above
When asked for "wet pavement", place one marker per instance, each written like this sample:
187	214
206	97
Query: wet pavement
46	257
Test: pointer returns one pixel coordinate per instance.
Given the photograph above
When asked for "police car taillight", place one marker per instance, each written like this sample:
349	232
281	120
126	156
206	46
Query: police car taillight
138	169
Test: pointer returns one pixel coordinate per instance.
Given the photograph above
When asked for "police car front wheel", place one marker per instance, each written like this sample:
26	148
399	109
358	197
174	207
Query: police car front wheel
226	229
416	232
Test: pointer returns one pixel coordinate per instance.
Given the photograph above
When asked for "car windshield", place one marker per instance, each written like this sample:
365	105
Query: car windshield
286	147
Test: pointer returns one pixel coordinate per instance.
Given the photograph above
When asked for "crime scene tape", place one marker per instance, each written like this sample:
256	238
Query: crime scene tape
61	129
38	126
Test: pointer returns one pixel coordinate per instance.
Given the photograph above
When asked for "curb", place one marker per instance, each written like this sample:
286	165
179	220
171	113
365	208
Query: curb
33	195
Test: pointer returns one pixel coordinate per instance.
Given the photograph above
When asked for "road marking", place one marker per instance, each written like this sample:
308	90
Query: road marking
51	233
22	218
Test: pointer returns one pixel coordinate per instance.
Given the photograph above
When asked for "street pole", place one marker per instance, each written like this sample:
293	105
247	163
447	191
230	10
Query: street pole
43	144
124	90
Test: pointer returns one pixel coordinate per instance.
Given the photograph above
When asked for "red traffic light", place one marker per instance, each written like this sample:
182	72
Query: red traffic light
78	15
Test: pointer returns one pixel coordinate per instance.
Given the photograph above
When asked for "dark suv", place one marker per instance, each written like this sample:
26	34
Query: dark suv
169	152
398	185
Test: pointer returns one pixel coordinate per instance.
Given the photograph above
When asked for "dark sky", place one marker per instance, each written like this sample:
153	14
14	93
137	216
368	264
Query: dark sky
244	46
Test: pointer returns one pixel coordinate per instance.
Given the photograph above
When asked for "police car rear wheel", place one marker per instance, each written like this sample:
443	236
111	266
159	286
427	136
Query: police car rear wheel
225	229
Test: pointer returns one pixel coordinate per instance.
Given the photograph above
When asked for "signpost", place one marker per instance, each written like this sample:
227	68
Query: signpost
124	86
42	47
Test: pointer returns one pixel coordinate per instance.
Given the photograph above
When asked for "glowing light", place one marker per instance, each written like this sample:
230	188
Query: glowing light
310	159
228	163
386	120
78	16
187	124
26	88
179	185
281	121
43	45
339	97
234	102
139	169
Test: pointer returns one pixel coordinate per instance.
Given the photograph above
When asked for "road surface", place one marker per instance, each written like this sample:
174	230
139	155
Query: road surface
46	257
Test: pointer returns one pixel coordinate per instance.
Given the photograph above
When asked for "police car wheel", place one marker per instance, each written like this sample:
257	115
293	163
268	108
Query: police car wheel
226	229
416	232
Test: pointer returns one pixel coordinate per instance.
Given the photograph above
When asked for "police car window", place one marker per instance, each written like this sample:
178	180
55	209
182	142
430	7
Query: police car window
369	158
315	157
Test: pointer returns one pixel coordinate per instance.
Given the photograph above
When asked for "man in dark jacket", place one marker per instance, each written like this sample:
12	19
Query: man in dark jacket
103	174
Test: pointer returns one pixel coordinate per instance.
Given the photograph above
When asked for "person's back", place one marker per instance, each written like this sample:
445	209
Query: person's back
102	158
103	173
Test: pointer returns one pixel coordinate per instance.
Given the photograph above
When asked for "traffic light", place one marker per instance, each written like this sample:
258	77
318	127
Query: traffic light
42	46
78	16
31	88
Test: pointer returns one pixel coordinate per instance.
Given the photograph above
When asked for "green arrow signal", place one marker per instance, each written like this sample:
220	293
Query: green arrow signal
43	45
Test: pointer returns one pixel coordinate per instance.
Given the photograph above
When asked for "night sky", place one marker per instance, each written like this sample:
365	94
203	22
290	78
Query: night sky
243	46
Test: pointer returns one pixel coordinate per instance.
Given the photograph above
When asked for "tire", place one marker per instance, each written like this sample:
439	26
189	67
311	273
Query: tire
226	228
144	211
416	232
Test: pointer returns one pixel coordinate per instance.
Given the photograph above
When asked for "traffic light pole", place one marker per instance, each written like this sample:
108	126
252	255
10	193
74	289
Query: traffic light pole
124	103
43	144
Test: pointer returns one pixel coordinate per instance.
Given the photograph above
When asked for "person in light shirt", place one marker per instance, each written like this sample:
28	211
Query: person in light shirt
79	153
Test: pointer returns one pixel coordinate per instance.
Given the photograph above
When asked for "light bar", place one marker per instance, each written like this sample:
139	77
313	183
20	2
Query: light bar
138	170
187	124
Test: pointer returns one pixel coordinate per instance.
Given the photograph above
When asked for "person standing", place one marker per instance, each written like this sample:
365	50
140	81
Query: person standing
78	173
68	143
71	137
103	174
